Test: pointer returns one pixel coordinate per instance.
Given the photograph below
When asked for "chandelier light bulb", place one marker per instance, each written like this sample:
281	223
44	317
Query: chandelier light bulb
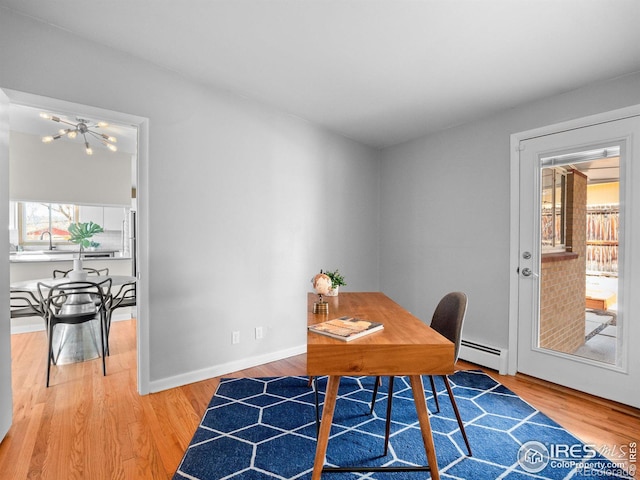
110	139
47	139
88	148
113	148
48	116
72	134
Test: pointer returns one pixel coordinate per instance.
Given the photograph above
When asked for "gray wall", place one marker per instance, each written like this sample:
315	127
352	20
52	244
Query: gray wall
445	208
245	203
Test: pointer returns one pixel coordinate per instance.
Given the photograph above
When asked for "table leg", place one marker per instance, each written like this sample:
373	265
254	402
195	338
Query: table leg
425	425
330	398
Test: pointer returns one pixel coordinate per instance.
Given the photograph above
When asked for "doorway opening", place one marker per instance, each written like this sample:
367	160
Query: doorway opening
137	189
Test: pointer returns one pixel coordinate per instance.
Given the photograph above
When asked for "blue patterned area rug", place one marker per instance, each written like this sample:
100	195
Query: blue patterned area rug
264	428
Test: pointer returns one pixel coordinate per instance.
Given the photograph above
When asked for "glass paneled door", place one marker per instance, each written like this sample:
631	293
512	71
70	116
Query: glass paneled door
577	319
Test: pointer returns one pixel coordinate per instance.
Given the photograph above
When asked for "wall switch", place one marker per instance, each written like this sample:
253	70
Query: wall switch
259	333
235	338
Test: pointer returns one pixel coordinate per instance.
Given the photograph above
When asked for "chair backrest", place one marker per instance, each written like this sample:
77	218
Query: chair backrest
90	271
448	318
75	300
60	273
24	303
124	297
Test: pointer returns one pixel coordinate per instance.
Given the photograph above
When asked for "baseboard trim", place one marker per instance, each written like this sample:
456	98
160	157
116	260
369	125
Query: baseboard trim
223	369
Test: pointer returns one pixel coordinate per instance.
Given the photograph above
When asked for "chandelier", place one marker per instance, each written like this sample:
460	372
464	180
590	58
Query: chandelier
86	128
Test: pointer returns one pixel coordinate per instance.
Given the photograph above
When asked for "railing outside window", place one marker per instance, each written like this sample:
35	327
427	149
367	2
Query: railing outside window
603	225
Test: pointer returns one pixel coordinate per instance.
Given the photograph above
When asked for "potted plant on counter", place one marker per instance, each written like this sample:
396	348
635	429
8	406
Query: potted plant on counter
337	279
80	234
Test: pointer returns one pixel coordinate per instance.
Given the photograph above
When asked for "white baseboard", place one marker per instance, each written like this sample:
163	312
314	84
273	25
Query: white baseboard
223	369
27	328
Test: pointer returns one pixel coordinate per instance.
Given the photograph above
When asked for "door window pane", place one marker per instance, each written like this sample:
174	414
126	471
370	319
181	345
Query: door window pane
578	291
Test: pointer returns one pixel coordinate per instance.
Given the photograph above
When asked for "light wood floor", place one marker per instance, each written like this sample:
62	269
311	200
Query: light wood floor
86	426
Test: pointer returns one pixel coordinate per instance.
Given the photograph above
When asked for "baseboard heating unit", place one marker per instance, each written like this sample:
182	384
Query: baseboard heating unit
485	355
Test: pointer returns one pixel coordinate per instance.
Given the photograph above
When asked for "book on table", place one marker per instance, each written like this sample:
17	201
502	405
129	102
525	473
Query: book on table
346	328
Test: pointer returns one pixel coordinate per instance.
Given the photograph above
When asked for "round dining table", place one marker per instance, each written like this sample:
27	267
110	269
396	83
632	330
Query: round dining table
32	285
74	343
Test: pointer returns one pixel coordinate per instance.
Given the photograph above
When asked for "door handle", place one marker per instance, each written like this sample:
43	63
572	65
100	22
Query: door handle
527	272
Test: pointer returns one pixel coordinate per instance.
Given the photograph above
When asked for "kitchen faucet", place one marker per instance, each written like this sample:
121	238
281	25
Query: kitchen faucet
42	236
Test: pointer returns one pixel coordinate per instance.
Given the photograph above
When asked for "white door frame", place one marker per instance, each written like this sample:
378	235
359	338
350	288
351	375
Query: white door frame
6	394
142	197
514	260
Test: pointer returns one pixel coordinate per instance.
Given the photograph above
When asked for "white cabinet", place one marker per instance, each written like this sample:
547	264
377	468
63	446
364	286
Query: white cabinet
113	218
109	218
90	214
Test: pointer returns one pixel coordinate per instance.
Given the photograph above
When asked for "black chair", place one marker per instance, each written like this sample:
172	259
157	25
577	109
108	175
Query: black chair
123	298
73	303
447	320
24	303
90	271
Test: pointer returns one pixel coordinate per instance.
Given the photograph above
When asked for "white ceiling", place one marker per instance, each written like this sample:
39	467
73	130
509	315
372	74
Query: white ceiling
378	71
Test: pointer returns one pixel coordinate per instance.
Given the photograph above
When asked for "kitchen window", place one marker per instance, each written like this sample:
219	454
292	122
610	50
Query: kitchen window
38	220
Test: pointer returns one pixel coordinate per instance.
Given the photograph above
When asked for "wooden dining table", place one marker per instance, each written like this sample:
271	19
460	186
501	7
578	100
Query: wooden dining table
406	346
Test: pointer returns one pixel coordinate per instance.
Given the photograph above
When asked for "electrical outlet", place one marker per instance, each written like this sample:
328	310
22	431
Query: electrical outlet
259	333
235	338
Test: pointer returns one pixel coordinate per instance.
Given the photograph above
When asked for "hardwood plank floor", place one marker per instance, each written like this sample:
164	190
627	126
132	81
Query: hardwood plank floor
86	426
